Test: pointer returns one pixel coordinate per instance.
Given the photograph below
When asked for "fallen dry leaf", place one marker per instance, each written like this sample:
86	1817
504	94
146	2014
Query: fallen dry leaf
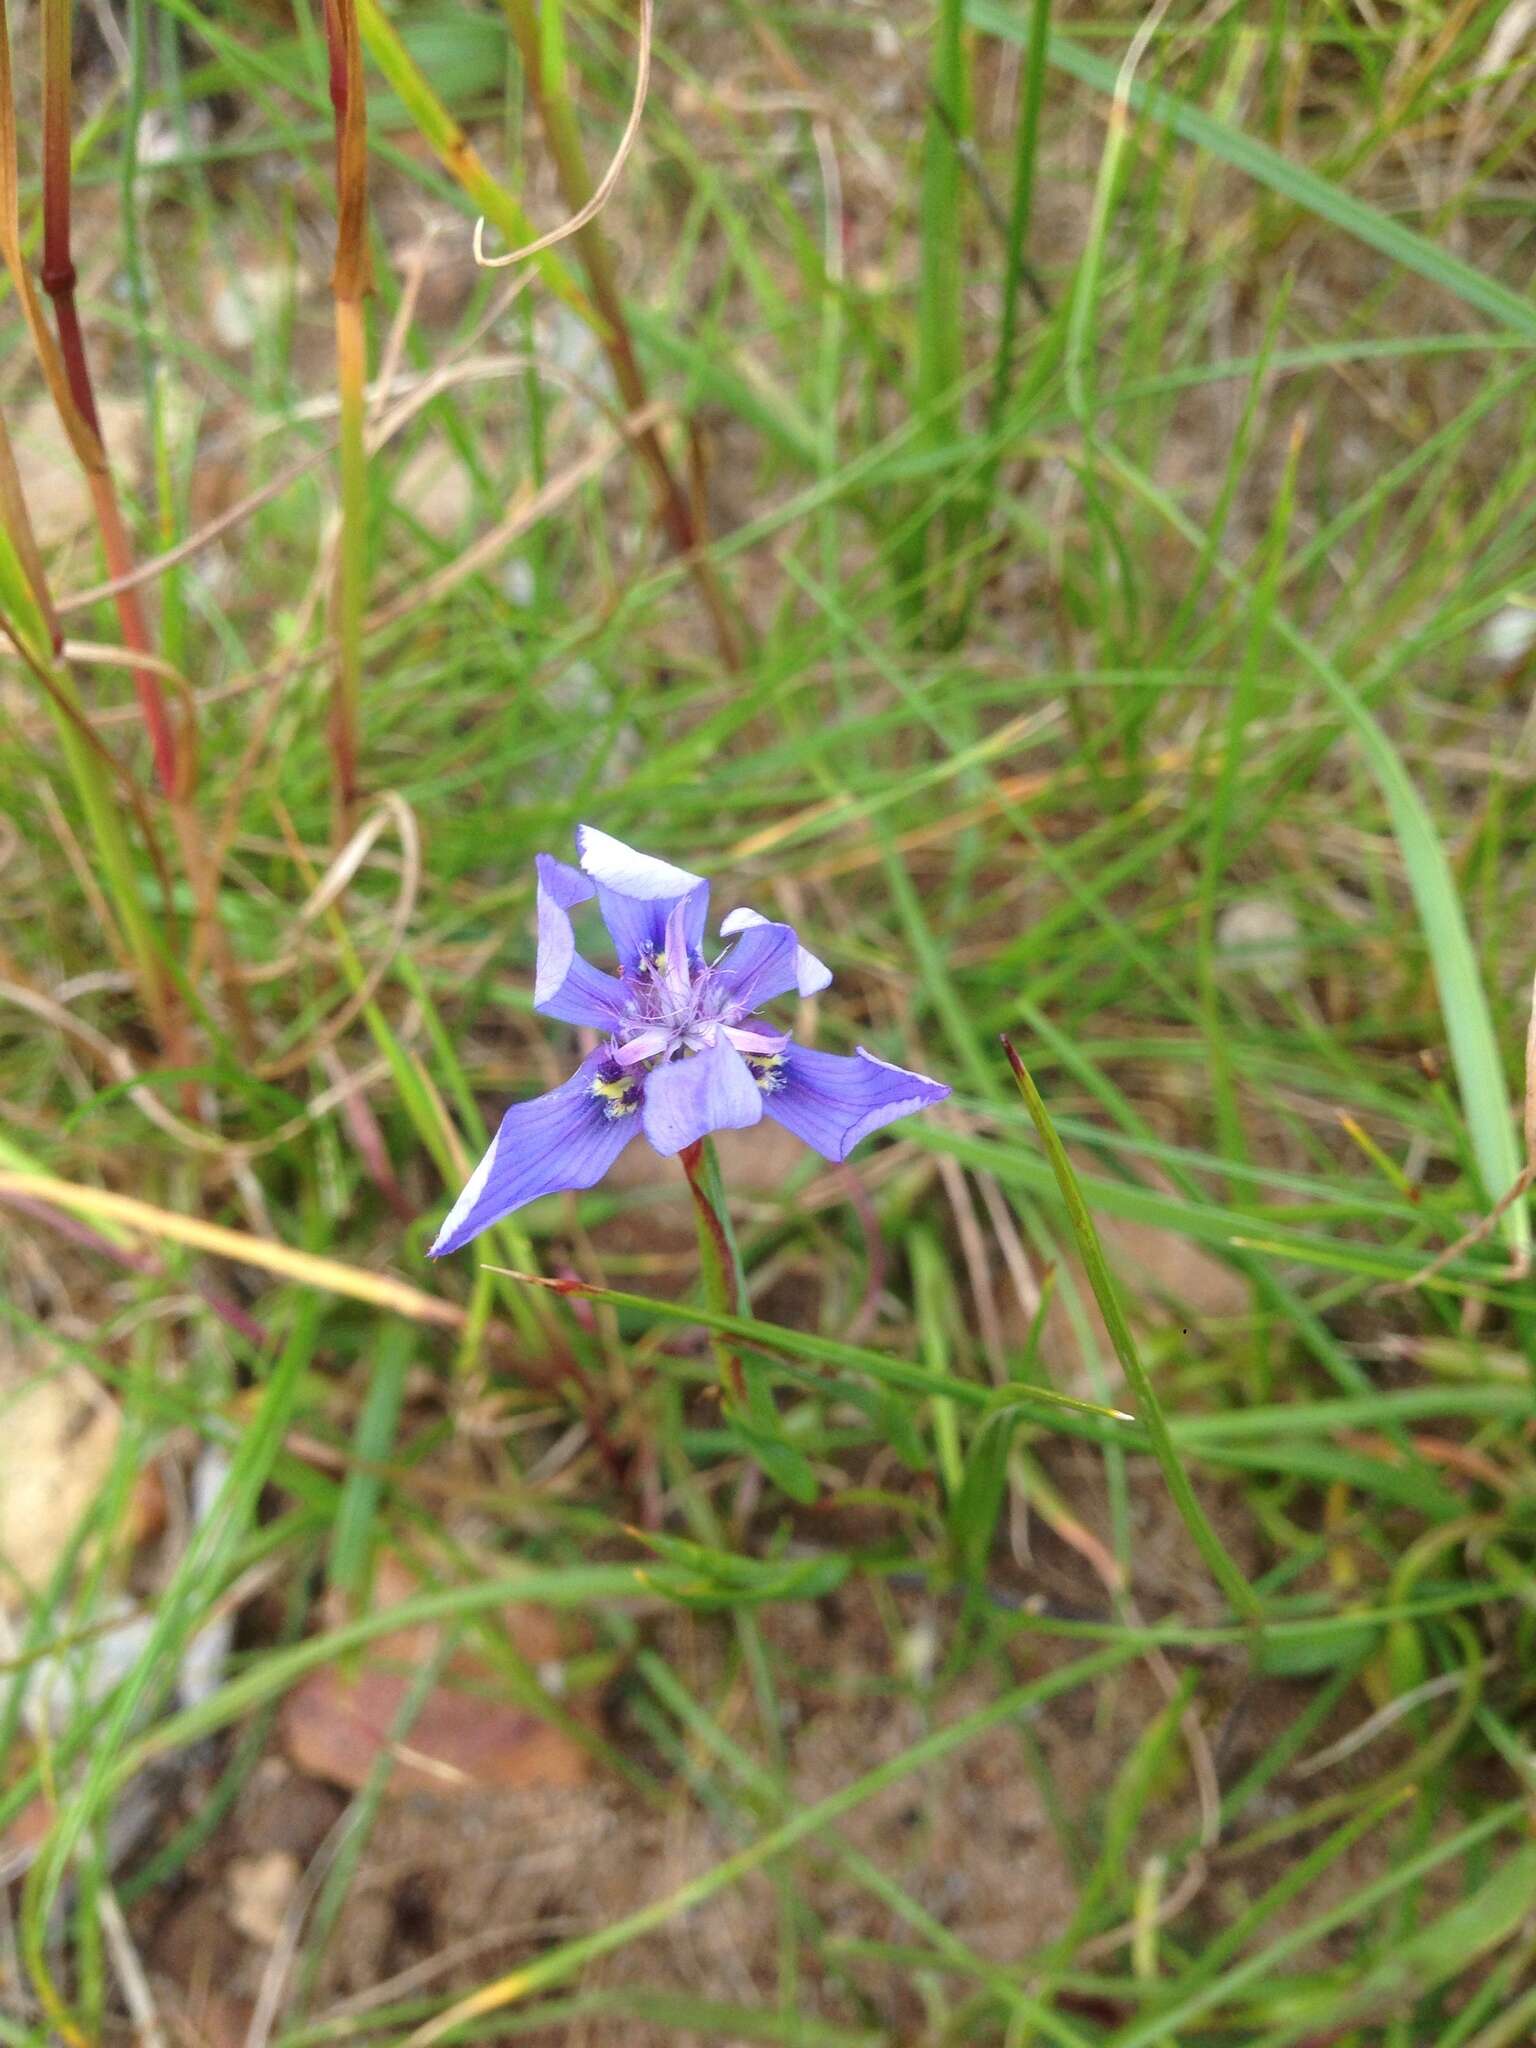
335	1727
336	1723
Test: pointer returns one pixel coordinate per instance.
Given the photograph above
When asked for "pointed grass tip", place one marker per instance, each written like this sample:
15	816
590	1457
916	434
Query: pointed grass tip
1019	1069
565	1285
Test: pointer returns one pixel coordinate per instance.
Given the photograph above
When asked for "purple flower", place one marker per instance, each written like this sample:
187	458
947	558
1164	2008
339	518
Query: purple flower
686	1050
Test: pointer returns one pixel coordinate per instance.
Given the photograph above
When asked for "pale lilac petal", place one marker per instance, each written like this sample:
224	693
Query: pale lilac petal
811	975
561	1140
749	1038
643	1046
830	1101
686	1099
760	966
565	985
677	972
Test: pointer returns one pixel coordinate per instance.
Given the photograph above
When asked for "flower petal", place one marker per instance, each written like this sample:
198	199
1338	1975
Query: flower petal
637	895
761	965
565	985
756	1036
613	865
830	1101
686	1099
638	928
811	975
565	1139
563	884
645	1045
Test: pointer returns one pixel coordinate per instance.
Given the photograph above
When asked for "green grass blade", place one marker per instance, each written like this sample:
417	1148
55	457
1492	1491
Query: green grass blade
1225	1572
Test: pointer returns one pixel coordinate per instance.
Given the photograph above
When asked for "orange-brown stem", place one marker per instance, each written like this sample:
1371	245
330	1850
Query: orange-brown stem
351	281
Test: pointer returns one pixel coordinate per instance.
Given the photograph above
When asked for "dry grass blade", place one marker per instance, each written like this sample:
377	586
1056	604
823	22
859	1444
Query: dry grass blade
496	539
303	1269
678	512
205	536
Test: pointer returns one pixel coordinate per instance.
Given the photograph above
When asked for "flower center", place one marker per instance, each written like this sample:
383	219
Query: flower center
673	1009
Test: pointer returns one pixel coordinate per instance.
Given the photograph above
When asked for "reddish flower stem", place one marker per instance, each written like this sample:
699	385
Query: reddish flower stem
717	1251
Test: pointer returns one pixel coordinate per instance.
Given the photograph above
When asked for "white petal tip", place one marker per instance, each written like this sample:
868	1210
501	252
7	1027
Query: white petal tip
617	866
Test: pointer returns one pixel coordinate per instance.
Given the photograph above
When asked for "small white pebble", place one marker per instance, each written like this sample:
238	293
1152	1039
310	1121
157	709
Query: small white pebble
1510	633
1263	938
918	1652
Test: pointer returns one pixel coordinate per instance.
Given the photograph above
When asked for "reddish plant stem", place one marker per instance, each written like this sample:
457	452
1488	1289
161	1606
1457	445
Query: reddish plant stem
144	1263
83	750
719	1261
175	762
58	278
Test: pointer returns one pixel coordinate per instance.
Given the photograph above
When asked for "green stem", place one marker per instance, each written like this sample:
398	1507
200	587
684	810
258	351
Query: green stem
1150	1414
